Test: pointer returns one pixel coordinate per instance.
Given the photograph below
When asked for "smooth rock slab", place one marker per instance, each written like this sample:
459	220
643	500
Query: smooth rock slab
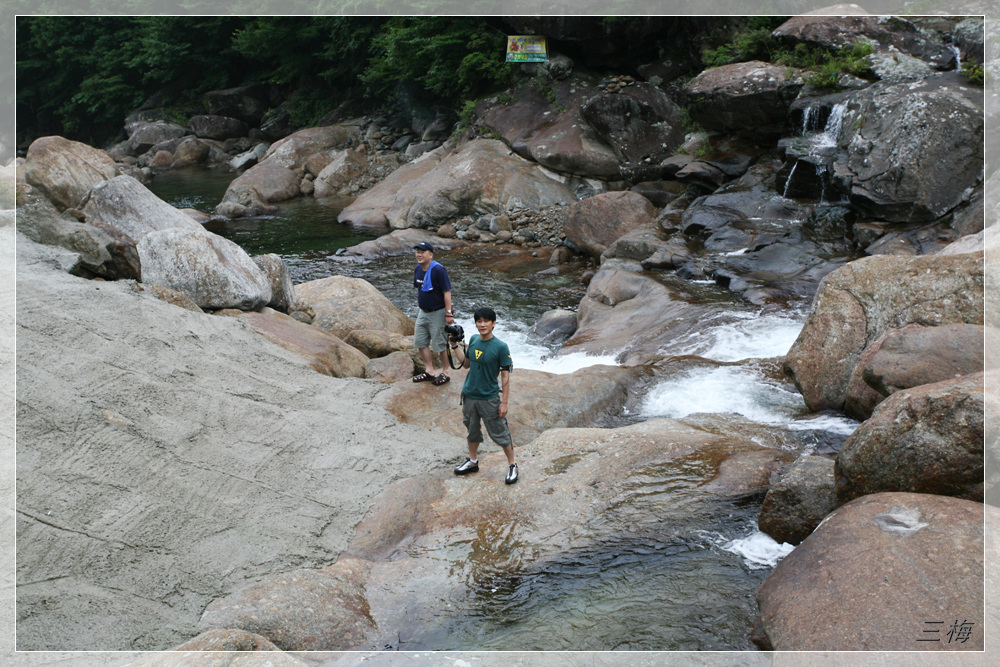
873	575
214	272
594	223
928	439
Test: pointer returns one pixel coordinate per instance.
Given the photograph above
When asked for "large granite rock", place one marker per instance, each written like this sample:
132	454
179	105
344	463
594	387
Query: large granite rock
246	103
882	573
594	223
928	439
913	150
638	122
481	177
294	151
302	610
127	205
750	98
212	271
144	136
102	251
217	127
341	305
859	302
800	501
65	171
324	352
282	289
550	130
336	176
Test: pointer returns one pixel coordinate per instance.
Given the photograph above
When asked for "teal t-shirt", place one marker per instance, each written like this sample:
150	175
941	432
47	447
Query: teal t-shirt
486	358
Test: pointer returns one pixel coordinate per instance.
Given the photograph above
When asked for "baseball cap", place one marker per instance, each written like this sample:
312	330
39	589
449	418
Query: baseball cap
424	245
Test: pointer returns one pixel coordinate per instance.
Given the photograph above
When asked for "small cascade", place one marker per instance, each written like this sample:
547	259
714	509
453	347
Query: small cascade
816	146
958	54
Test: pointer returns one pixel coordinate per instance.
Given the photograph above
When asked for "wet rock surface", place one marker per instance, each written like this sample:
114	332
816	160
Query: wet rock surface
922	563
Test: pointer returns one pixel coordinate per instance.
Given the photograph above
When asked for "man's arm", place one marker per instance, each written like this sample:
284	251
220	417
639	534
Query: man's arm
505	388
447	306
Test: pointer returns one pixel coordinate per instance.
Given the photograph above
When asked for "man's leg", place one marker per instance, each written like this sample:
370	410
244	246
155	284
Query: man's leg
509	453
428	358
473	451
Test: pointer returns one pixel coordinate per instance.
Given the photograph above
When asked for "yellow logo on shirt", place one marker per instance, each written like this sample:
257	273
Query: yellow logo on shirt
479	353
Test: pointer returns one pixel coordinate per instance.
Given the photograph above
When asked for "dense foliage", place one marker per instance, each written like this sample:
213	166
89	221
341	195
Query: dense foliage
81	76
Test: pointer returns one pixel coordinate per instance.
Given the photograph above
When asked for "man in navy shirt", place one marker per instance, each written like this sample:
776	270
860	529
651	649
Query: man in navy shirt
434	298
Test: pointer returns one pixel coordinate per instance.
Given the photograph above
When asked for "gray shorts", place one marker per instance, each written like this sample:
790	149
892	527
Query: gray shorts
428	331
474	409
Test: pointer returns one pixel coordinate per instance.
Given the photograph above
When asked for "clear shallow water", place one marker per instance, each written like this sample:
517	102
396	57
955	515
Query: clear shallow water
686	579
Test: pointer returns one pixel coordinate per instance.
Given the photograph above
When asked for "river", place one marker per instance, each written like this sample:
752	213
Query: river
688	581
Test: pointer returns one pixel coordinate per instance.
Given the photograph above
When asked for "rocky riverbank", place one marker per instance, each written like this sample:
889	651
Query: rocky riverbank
182	474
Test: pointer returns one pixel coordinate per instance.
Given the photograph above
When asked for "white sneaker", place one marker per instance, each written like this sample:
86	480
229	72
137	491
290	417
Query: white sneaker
467	467
511	473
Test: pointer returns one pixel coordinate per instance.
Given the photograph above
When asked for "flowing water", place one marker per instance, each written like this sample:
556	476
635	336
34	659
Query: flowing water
686	579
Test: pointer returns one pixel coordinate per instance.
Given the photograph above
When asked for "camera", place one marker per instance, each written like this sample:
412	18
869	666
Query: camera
455	332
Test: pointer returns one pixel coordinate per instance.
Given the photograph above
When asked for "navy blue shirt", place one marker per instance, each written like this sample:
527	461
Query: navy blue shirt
440	283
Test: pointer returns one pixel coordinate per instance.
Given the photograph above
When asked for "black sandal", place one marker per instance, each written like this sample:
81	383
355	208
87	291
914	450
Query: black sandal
423	377
441	379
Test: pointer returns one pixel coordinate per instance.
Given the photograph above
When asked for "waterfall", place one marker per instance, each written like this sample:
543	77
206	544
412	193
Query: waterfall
789	181
958	55
831	132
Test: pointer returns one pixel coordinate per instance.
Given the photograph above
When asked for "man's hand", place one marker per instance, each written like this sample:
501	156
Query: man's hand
502	411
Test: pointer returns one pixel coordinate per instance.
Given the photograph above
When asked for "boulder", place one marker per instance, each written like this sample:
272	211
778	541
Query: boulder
190	152
886	572
916	355
246	103
481	177
554	326
594	223
400	242
276	271
629	312
395	367
142	136
890	35
214	272
928	439
217	127
162	159
538	401
324	352
336	176
294	151
800	501
749	98
65	171
377	343
127	205
639	122
273	183
549	128
913	150
249	158
302	610
856	304
102	253
373	207
341	305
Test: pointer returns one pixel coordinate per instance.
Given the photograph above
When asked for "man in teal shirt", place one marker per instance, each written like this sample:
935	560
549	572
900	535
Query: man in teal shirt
482	397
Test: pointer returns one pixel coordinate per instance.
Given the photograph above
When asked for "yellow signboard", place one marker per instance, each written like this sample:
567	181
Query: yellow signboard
526	49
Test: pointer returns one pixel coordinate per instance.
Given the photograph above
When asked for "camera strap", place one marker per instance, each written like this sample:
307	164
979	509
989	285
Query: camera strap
451	360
